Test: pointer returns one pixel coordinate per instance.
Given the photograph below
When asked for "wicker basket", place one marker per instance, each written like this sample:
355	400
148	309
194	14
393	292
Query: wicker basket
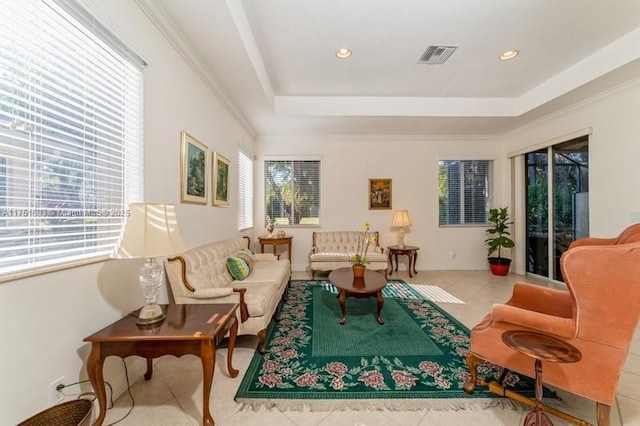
71	413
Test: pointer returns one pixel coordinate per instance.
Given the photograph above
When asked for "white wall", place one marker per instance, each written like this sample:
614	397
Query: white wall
45	318
412	164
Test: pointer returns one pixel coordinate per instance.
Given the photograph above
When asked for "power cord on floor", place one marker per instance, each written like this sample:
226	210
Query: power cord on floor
61	386
133	402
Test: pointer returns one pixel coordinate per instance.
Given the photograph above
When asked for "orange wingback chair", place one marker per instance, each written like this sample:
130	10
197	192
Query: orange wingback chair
598	314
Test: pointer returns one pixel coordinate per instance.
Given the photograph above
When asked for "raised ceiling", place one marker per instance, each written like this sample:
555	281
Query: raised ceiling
274	63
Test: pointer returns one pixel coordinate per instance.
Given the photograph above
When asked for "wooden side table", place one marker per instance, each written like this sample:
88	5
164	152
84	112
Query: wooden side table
275	242
187	329
410	251
541	347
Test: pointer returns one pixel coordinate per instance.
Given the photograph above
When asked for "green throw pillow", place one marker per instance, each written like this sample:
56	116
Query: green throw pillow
247	257
238	268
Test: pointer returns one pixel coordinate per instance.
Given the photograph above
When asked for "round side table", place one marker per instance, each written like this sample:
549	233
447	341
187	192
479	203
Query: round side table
410	251
542	347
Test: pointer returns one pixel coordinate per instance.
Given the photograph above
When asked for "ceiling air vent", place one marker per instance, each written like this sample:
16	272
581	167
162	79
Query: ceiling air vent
436	54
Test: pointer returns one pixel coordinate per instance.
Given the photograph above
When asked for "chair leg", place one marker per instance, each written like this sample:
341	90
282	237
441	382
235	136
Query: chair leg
472	365
262	344
603	412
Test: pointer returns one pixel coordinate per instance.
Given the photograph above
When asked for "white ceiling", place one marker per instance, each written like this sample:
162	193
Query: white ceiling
274	62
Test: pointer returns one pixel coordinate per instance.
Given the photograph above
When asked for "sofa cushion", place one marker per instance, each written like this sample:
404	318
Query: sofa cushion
247	257
331	257
238	268
270	273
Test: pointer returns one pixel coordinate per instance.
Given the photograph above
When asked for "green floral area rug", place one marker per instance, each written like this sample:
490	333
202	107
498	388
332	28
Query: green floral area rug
418	354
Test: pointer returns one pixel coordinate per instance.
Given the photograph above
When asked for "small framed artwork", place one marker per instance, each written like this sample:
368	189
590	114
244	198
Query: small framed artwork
220	179
194	169
379	194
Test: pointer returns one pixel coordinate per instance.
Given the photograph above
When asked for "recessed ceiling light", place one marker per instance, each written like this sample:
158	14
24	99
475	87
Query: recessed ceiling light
343	53
509	54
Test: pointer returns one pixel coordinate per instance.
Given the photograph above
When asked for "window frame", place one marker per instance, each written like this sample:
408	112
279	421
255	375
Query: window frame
43	139
245	189
488	187
311	221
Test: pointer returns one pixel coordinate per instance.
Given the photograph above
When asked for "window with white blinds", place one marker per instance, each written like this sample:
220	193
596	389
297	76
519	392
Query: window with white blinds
245	190
70	137
292	191
464	191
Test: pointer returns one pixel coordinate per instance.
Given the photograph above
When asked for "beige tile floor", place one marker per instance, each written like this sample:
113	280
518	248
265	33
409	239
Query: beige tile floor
174	395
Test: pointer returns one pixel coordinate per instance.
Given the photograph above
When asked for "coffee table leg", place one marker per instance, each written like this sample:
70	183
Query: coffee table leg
208	358
342	298
380	305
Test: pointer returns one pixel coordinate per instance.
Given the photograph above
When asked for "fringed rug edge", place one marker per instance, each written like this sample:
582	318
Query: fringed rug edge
444	404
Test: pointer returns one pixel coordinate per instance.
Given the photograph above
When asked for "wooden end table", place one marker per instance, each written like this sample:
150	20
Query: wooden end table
187	329
275	242
541	347
370	285
410	251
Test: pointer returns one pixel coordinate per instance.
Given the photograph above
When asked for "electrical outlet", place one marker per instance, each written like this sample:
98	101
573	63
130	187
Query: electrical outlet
56	396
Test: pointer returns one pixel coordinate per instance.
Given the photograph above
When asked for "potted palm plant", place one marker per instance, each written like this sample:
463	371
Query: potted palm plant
499	239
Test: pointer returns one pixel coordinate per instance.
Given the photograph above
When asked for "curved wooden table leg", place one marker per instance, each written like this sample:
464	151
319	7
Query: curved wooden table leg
415	258
94	369
208	358
232	344
149	373
342	298
380	300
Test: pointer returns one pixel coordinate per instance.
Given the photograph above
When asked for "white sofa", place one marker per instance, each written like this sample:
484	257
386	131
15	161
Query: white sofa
334	249
200	275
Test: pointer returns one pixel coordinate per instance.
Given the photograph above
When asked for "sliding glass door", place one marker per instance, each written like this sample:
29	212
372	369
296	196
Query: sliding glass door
557	183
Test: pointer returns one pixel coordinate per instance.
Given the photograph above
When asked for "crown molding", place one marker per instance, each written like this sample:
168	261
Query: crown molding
159	18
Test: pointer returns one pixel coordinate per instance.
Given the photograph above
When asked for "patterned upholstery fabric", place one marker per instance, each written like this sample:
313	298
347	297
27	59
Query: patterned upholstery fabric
334	249
200	275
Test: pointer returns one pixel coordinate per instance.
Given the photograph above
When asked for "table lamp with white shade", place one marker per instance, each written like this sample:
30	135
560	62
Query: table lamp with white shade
401	220
151	231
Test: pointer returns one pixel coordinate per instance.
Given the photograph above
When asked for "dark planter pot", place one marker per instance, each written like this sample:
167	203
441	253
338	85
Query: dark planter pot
499	265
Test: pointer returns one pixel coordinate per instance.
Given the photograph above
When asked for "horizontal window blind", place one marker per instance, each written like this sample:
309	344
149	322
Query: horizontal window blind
292	191
70	138
245	189
464	191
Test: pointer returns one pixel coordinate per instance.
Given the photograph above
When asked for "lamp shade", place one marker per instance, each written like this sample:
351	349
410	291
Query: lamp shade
151	231
401	218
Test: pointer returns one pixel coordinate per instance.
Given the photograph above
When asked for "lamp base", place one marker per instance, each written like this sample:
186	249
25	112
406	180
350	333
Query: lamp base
150	279
150	314
401	238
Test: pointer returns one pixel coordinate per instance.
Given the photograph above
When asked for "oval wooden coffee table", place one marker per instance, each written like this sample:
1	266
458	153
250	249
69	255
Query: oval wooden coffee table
370	285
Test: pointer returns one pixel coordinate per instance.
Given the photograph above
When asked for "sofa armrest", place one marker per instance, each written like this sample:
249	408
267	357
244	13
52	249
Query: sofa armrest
565	327
542	299
265	256
592	241
211	293
244	310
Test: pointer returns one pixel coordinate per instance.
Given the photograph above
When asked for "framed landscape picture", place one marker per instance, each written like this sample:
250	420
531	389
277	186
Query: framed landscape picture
379	194
220	179
194	169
